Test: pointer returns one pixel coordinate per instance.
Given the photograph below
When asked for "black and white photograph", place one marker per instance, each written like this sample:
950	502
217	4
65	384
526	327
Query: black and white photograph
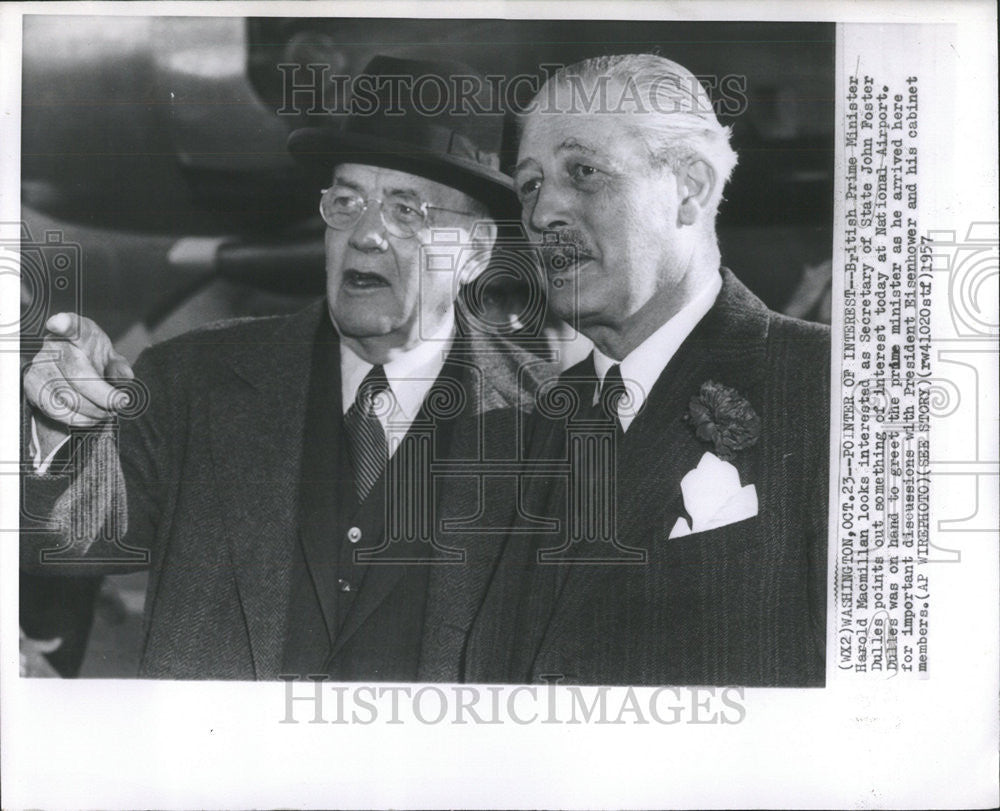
505	376
285	521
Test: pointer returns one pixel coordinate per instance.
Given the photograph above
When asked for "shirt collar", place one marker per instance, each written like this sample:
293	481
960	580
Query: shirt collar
410	374
642	367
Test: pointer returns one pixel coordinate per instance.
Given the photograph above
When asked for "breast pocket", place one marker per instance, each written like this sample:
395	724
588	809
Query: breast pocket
729	542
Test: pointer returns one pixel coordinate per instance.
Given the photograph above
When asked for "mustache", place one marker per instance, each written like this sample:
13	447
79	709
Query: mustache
565	246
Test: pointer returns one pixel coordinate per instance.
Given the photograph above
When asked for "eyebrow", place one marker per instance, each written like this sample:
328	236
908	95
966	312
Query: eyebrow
573	145
339	180
568	145
406	192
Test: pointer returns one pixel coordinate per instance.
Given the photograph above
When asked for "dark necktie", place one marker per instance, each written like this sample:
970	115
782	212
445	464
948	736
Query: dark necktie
612	391
366	438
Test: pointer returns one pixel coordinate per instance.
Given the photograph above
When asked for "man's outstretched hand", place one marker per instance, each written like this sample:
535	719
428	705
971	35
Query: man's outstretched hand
69	383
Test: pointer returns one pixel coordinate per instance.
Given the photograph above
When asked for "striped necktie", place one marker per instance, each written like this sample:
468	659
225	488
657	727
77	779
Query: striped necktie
366	439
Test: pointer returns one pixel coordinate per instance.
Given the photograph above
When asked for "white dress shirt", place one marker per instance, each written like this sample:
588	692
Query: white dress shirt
410	374
642	367
41	466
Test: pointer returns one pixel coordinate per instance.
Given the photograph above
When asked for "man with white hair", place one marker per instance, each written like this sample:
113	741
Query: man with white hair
685	461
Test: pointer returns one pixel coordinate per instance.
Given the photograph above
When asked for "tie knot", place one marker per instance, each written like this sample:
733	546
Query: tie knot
374	384
612	391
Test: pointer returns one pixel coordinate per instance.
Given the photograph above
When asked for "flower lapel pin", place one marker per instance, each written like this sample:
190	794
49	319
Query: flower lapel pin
713	496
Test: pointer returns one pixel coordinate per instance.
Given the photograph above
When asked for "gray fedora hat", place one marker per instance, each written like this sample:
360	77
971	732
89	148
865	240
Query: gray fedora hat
417	124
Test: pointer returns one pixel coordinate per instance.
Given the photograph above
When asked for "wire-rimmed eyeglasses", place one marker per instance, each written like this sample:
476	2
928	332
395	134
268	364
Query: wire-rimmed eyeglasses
402	215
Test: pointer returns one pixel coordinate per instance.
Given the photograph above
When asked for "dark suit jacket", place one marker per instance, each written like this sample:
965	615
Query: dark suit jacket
212	473
742	604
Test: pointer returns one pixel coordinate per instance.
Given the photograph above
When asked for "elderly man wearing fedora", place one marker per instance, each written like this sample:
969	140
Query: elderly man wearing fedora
278	484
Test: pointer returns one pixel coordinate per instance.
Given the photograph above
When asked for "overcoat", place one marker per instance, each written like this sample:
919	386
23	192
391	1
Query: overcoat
229	496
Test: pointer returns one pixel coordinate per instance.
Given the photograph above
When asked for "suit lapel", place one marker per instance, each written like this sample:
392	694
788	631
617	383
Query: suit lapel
325	480
456	587
499	382
728	346
257	420
658	449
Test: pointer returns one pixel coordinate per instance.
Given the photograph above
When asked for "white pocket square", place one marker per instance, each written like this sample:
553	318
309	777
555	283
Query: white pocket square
713	497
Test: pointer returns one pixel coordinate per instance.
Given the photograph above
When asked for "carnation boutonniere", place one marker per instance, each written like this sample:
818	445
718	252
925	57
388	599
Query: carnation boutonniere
713	495
725	418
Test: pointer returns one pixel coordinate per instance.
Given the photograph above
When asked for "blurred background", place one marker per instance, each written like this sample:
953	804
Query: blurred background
157	194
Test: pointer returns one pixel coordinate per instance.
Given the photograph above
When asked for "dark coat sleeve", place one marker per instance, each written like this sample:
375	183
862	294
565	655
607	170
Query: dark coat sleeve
143	448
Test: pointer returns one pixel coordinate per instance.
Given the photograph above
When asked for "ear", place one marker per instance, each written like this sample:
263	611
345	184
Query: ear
696	191
475	261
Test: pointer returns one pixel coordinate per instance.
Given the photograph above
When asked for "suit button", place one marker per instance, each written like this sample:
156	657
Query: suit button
343	585
354	534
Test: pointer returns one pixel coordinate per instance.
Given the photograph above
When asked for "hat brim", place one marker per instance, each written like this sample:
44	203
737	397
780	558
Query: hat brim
322	148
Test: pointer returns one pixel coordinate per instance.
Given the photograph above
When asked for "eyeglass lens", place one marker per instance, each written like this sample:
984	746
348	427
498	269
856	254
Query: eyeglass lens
342	208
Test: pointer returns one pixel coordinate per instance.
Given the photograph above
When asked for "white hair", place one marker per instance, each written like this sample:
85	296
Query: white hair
668	110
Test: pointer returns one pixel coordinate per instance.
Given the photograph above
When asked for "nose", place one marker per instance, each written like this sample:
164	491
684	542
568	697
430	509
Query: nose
368	234
551	209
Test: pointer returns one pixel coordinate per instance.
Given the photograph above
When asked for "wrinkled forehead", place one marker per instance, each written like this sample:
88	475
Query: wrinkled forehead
546	136
369	179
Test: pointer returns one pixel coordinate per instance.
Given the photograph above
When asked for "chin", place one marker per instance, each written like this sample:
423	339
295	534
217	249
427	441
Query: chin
575	305
361	325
